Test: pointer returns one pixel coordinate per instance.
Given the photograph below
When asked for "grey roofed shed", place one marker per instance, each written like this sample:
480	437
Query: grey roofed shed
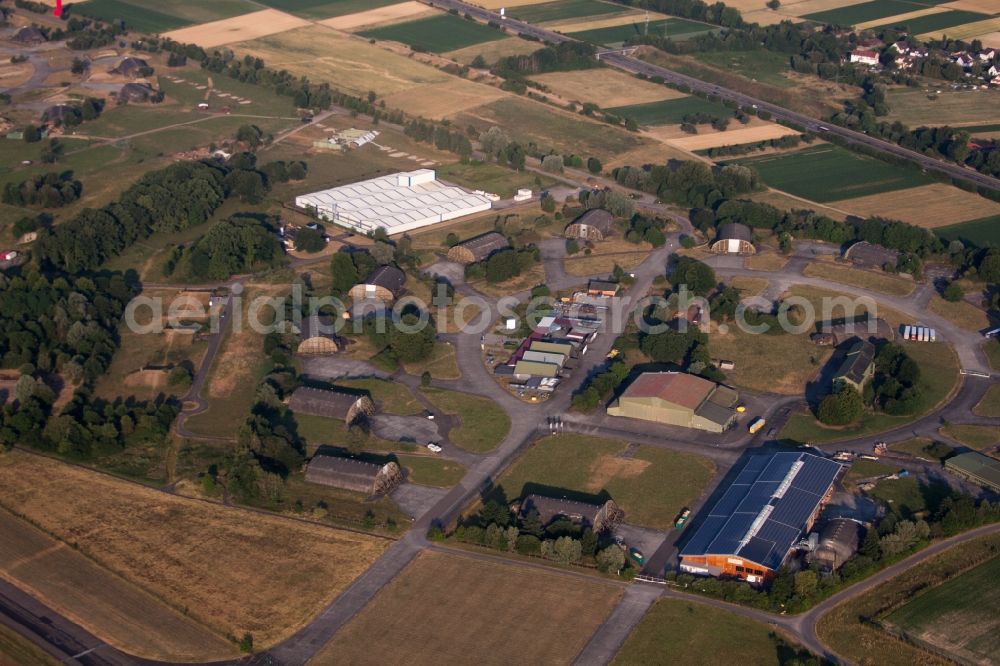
479	248
348	407
595	224
598	517
735	231
136	92
389	278
838	541
356	475
870	255
29	34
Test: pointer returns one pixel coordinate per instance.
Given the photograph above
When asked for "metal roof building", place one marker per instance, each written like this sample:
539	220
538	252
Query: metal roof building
977	468
356	475
397	203
599	517
478	248
333	404
749	532
680	399
858	364
734	238
595	224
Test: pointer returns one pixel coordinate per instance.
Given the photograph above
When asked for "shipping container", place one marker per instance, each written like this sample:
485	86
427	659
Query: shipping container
933	335
906	332
756	425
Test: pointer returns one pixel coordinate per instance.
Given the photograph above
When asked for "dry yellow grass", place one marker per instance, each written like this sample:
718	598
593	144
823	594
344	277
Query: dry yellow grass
622	18
348	63
732	137
875	281
452	609
900	18
497	4
652	153
966	30
990	39
764	16
108	606
605	255
493	50
962	314
231	569
439	100
928	206
785	201
983	6
813	6
748	286
397	13
605	87
12	75
767	261
238	28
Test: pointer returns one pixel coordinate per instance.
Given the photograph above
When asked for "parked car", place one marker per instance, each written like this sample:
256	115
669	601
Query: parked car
429	414
431	446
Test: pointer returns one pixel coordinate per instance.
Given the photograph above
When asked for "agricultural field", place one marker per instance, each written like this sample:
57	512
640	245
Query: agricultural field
443	608
564	9
493	51
21	651
167	15
981	232
324	9
651	485
828	173
960	617
866	12
943	106
688	632
736	134
437	34
937	23
238	29
441	100
879	281
605	87
669	111
928	206
674	28
482	425
223	567
380	15
764	66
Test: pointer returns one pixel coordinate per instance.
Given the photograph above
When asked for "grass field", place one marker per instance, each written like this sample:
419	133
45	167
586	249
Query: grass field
674	28
978	437
21	651
493	178
321	9
430	471
563	9
605	255
652	486
669	111
851	637
883	283
390	397
963	314
688	632
454	609
990	404
605	87
436	34
828	173
238	28
915	446
961	617
442	363
482	424
982	232
764	66
224	567
493	51
928	206
780	364
916	106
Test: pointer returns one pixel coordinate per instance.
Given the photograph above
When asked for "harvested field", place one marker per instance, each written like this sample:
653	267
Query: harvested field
929	206
900	19
915	106
989	39
445	608
936	26
864	12
560	10
436	34
497	4
238	29
441	100
605	21
324	9
379	16
605	87
733	137
786	201
675	28
984	6
493	51
873	280
352	65
108	606
228	568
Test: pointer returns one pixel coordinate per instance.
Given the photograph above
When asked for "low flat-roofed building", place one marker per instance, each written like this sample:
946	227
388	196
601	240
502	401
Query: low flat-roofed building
384	283
602	288
331	404
524	369
397	203
598	517
544	357
680	399
595	224
749	531
977	468
479	248
564	348
349	474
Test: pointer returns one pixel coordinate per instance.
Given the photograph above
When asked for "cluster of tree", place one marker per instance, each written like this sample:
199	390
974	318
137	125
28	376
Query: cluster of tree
697	10
789	141
690	121
498	146
642	228
599	387
26	225
562	540
691	183
696	276
88	109
50	190
177	197
243	243
406	343
845	405
556	58
504	265
87	36
616	203
442	137
31	6
895	387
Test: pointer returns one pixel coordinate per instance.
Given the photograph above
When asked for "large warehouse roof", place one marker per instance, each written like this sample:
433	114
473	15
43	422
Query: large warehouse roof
674	387
398	203
766	509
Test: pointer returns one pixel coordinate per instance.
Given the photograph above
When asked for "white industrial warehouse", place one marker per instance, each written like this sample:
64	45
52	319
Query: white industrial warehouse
398	203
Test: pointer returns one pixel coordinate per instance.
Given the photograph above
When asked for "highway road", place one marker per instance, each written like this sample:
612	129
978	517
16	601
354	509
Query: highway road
814	125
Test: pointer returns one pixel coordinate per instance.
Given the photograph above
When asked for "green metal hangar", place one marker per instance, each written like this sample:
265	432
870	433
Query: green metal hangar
752	529
680	399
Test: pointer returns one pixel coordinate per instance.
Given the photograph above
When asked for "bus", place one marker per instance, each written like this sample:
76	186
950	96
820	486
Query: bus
756	425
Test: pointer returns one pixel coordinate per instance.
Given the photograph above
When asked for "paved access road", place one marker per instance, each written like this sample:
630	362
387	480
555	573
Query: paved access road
636	66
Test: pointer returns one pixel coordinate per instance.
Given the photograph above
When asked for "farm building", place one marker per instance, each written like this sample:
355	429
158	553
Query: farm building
734	238
867	255
136	92
350	474
347	407
602	288
316	336
29	35
977	468
384	284
753	527
598	517
595	224
838	541
857	365
478	249
349	139
680	399
130	67
397	203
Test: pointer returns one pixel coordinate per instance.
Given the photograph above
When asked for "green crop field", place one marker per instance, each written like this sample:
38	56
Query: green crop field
651	485
323	9
960	617
828	173
167	15
764	66
674	28
870	11
564	9
941	21
437	34
982	232
669	111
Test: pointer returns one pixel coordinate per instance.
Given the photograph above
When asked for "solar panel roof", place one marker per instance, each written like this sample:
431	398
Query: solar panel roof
765	510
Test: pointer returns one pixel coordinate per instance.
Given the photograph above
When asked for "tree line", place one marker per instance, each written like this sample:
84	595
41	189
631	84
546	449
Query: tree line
50	190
